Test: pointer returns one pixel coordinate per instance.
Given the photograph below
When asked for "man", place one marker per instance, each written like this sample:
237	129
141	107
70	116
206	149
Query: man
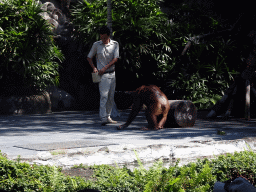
107	54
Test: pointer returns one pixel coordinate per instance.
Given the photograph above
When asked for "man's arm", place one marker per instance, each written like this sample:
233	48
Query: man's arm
111	63
92	65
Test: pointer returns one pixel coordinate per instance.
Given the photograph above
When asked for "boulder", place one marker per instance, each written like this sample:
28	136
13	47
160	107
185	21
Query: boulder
60	99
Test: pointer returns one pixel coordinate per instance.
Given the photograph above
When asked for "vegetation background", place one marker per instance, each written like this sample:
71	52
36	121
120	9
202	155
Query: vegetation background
28	54
150	41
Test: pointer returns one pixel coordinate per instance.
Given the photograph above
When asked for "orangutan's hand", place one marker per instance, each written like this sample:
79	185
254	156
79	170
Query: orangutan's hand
148	129
122	127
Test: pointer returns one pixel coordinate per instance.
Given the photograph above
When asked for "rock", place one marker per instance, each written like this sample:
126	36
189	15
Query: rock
60	99
33	104
54	16
44	155
239	184
104	149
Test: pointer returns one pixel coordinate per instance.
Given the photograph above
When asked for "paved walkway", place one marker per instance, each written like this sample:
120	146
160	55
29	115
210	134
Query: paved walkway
74	137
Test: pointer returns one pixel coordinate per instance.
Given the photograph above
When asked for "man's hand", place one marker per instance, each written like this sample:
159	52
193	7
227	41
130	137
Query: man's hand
102	71
95	70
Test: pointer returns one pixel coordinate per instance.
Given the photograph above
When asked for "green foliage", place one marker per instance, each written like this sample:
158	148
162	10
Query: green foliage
212	61
210	65
115	179
186	178
206	74
192	20
196	90
240	163
194	180
207	102
17	176
27	45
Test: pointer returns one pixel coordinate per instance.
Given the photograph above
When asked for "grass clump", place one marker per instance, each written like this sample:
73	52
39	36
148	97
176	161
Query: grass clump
58	152
197	176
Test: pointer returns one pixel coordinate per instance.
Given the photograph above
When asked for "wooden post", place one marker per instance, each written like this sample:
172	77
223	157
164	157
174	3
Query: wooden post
217	107
230	107
231	103
247	100
253	90
109	17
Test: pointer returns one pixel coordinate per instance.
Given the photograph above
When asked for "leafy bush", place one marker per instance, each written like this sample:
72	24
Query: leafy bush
28	54
17	176
226	166
209	66
207	75
114	179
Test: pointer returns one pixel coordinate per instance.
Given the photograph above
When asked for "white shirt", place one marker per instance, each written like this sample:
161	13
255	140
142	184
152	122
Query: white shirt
104	53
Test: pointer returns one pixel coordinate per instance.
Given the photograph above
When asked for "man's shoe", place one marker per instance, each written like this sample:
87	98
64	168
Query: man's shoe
111	121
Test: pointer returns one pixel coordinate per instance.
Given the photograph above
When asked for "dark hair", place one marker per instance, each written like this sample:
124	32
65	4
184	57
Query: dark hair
104	30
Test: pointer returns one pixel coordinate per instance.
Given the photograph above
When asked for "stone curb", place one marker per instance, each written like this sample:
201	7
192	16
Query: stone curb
125	155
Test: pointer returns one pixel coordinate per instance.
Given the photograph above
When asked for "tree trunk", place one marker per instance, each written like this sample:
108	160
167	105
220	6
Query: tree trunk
247	100
236	101
240	89
109	17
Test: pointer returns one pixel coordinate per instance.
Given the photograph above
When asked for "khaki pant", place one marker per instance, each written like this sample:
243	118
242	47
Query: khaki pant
107	87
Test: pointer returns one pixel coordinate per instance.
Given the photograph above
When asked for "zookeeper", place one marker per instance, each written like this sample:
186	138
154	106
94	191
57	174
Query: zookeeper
107	54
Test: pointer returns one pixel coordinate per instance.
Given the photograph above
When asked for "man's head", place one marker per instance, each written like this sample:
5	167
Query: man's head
104	34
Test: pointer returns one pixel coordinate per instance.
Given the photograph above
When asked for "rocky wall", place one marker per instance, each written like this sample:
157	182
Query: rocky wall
75	72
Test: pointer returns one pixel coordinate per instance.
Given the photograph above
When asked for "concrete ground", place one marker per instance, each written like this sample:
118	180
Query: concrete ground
73	137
